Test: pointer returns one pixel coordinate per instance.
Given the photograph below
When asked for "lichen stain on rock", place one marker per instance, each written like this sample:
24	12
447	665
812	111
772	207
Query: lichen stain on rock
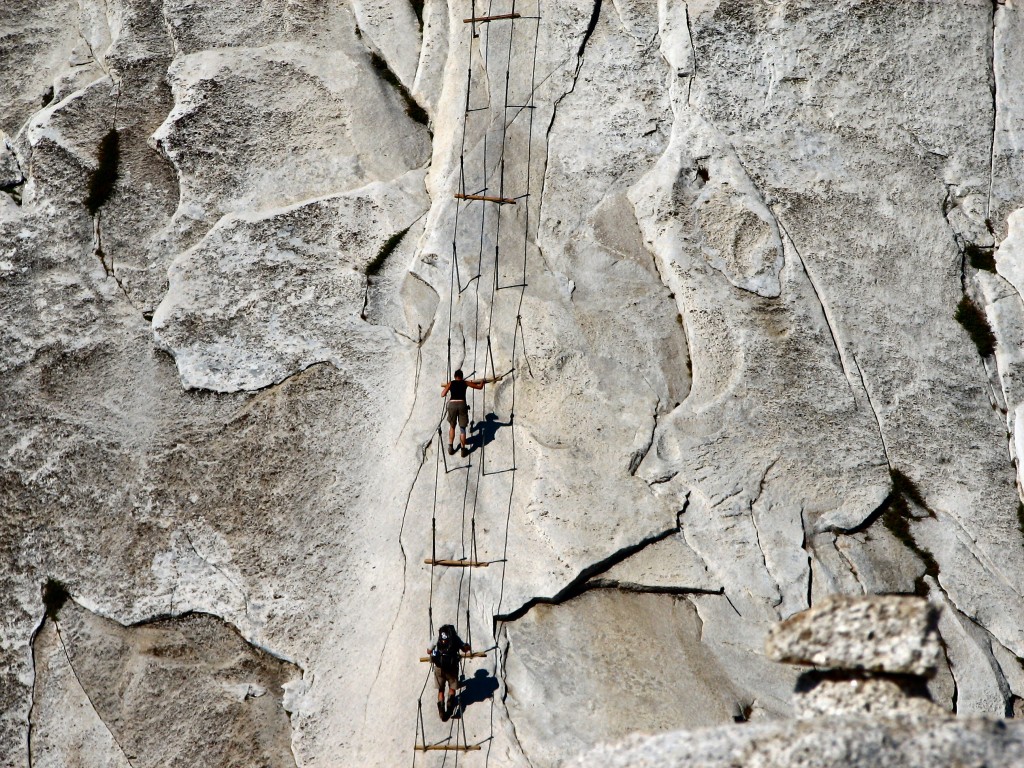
181	690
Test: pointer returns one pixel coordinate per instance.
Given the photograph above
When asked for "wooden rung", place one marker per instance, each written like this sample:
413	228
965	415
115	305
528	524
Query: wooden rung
486	199
447	748
471	655
482	19
457	563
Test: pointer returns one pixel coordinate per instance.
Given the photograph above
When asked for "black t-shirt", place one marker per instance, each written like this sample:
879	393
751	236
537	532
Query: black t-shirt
447	656
457	390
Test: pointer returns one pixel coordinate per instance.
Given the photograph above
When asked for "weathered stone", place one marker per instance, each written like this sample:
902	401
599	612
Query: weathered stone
209	697
853	742
742	234
10	170
878	634
843	694
639	672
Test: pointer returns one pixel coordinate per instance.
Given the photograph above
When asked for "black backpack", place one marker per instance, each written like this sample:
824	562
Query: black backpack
446	652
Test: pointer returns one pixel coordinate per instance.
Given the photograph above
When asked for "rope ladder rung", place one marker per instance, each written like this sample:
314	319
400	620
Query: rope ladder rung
448	747
460	563
487	199
470	655
498	17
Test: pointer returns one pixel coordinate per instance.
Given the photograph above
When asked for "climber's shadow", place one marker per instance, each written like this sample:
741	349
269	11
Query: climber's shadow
485	431
480	687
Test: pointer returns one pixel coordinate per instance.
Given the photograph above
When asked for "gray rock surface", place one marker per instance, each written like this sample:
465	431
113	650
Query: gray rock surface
743	246
892	634
209	698
909	742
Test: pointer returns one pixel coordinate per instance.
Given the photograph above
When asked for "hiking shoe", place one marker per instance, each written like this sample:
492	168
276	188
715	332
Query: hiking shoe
451	450
453	707
465	452
444	713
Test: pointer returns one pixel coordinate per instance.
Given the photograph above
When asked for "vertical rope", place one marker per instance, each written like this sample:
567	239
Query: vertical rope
489	221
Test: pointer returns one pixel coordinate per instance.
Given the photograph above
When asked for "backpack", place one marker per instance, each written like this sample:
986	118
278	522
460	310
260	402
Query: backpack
446	652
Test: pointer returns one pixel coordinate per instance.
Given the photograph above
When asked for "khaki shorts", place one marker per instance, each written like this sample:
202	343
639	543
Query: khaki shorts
458	410
442	676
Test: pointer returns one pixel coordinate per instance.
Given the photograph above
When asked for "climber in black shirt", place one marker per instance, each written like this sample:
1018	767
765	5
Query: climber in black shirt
445	655
458	410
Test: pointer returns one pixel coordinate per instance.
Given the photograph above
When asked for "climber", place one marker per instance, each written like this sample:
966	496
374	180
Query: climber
458	409
444	655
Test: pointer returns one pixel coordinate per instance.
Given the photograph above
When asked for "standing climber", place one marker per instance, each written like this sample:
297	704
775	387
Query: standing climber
458	410
444	655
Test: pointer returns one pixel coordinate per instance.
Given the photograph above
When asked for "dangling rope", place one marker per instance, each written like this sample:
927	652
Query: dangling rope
473	481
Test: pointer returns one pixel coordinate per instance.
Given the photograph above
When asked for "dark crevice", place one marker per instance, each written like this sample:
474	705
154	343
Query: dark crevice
896	514
55	595
693	52
412	107
625	586
810	561
417	8
591	26
105	175
580	584
375	266
974	321
980	256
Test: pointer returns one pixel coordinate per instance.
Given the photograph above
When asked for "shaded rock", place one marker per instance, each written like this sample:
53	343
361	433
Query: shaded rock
850	742
638	672
881	562
186	690
879	633
10	170
828	694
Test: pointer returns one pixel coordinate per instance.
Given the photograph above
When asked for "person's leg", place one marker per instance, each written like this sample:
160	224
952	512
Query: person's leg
440	678
463	423
452	415
453	688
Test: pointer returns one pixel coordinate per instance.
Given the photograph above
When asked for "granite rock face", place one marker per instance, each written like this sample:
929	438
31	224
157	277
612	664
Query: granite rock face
233	276
857	742
209	697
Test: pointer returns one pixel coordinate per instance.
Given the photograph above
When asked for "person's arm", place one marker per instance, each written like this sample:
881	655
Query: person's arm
479	383
444	388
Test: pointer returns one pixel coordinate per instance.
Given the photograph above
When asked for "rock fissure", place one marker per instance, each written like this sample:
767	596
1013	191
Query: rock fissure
853	568
693	53
221	571
871	405
595	15
994	87
579	584
810	559
85	691
764	557
824	310
503	675
641	453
